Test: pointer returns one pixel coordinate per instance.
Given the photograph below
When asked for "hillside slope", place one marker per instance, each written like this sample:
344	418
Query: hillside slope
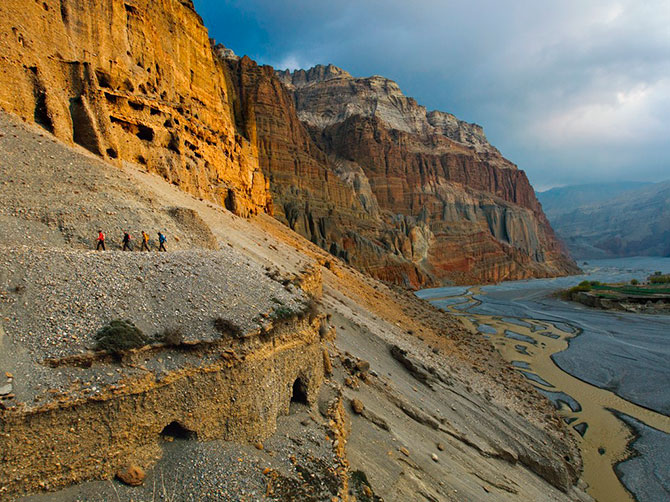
76	416
566	199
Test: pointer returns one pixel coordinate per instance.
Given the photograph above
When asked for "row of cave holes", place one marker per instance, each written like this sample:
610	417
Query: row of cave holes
176	430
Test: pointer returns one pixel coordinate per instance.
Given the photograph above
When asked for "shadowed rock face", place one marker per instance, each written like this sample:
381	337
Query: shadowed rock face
130	81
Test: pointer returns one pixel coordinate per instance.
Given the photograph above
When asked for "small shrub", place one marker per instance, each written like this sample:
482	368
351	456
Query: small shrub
227	327
634	282
171	336
118	336
569	294
282	313
659	278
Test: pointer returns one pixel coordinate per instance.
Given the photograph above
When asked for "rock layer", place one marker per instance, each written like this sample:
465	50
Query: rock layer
130	80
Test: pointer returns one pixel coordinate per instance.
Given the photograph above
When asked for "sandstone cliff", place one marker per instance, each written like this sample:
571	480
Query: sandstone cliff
130	80
438	201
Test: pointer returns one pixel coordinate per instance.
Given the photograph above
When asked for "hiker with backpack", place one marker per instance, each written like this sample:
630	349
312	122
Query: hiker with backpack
126	242
145	241
161	242
101	241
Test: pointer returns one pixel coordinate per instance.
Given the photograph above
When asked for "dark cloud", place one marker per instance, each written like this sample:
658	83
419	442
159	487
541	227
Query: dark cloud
572	91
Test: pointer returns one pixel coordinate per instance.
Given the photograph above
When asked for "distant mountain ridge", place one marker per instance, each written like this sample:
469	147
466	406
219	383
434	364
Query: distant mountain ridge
611	221
566	199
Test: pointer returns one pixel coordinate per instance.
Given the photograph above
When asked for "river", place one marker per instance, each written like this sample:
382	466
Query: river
607	372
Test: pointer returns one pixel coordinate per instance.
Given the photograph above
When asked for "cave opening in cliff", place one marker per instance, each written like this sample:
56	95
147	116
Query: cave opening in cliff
175	430
41	112
83	126
299	394
145	133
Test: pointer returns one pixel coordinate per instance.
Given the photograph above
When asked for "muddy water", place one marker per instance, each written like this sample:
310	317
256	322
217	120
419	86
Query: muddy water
607	372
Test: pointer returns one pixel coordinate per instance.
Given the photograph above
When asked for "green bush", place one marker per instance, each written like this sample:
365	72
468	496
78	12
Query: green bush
659	278
282	313
118	336
634	282
568	294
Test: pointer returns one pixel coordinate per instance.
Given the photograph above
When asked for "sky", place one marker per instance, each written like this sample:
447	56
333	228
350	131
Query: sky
572	91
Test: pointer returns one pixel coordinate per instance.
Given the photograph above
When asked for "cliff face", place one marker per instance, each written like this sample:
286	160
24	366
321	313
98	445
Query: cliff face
449	204
366	173
130	80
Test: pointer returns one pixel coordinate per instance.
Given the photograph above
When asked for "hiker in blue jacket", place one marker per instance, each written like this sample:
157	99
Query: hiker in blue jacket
161	242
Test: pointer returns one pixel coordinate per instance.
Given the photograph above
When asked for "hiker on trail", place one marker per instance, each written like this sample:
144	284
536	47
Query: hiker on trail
126	242
161	241
145	241
101	241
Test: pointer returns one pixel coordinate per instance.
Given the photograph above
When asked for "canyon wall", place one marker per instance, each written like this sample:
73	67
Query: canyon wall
130	80
407	195
429	198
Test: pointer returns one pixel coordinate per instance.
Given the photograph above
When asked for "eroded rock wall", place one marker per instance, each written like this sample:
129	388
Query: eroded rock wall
130	80
313	196
487	216
237	396
444	203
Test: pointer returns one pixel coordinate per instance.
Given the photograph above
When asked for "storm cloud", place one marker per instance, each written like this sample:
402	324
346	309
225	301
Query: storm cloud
572	91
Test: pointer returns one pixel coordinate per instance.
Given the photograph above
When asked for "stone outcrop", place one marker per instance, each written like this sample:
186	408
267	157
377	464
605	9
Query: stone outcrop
131	80
235	392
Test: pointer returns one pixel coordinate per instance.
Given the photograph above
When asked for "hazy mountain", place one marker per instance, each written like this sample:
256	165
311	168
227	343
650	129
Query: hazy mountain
630	223
567	199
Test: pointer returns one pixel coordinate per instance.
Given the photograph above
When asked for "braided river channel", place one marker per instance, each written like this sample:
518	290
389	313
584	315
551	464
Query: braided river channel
607	372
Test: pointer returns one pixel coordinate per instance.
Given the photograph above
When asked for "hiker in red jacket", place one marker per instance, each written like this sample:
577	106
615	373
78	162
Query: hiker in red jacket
101	241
